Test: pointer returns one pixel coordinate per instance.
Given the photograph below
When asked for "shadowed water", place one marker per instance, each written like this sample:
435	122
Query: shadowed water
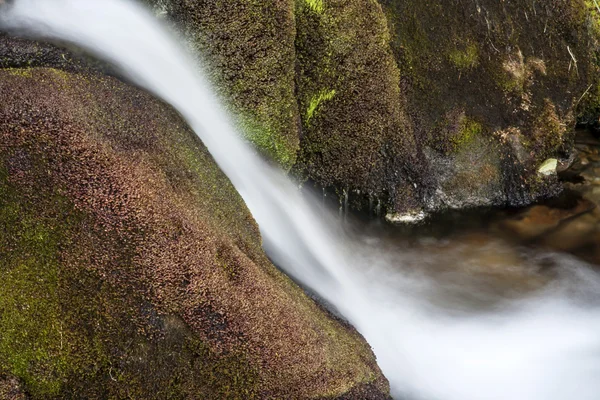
440	336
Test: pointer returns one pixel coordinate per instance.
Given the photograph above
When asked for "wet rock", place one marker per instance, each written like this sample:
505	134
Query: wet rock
18	52
467	178
467	73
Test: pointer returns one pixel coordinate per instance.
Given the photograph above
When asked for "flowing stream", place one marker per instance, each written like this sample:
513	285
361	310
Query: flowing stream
540	346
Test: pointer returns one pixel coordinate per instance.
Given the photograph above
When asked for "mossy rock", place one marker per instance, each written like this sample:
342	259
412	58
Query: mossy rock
247	49
132	269
382	86
355	135
516	66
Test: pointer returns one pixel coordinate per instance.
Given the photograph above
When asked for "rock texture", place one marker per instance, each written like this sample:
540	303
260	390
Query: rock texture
412	105
493	90
132	269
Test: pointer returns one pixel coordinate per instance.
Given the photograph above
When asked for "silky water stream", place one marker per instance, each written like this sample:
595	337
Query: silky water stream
449	319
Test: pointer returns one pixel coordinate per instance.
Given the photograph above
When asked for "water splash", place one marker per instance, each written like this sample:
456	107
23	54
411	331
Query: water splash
544	348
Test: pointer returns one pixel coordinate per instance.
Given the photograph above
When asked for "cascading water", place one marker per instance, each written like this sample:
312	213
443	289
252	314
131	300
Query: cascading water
546	347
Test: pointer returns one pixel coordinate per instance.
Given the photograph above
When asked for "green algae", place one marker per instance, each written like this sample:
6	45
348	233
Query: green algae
467	132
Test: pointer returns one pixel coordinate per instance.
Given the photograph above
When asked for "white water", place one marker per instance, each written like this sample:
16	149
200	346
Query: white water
545	348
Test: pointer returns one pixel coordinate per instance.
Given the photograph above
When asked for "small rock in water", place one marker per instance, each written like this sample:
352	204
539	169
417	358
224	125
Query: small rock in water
406	218
548	167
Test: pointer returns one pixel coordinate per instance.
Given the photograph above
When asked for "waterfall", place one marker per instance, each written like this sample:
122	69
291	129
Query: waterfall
546	347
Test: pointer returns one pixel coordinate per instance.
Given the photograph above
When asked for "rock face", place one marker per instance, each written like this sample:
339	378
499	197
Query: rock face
493	90
416	105
355	135
132	269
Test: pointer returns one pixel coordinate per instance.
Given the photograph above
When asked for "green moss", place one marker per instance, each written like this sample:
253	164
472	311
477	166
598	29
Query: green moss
315	5
316	101
591	16
268	141
24	72
465	58
468	131
60	73
33	345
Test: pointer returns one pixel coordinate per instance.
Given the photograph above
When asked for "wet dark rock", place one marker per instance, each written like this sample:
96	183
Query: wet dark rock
17	52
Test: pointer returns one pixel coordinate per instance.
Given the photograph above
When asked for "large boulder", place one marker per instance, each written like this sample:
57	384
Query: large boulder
131	268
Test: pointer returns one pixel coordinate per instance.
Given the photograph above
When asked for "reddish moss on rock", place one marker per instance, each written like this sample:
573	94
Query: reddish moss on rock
132	269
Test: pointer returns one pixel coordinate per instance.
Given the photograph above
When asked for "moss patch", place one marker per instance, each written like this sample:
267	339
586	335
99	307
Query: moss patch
31	334
316	101
465	58
468	131
315	5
